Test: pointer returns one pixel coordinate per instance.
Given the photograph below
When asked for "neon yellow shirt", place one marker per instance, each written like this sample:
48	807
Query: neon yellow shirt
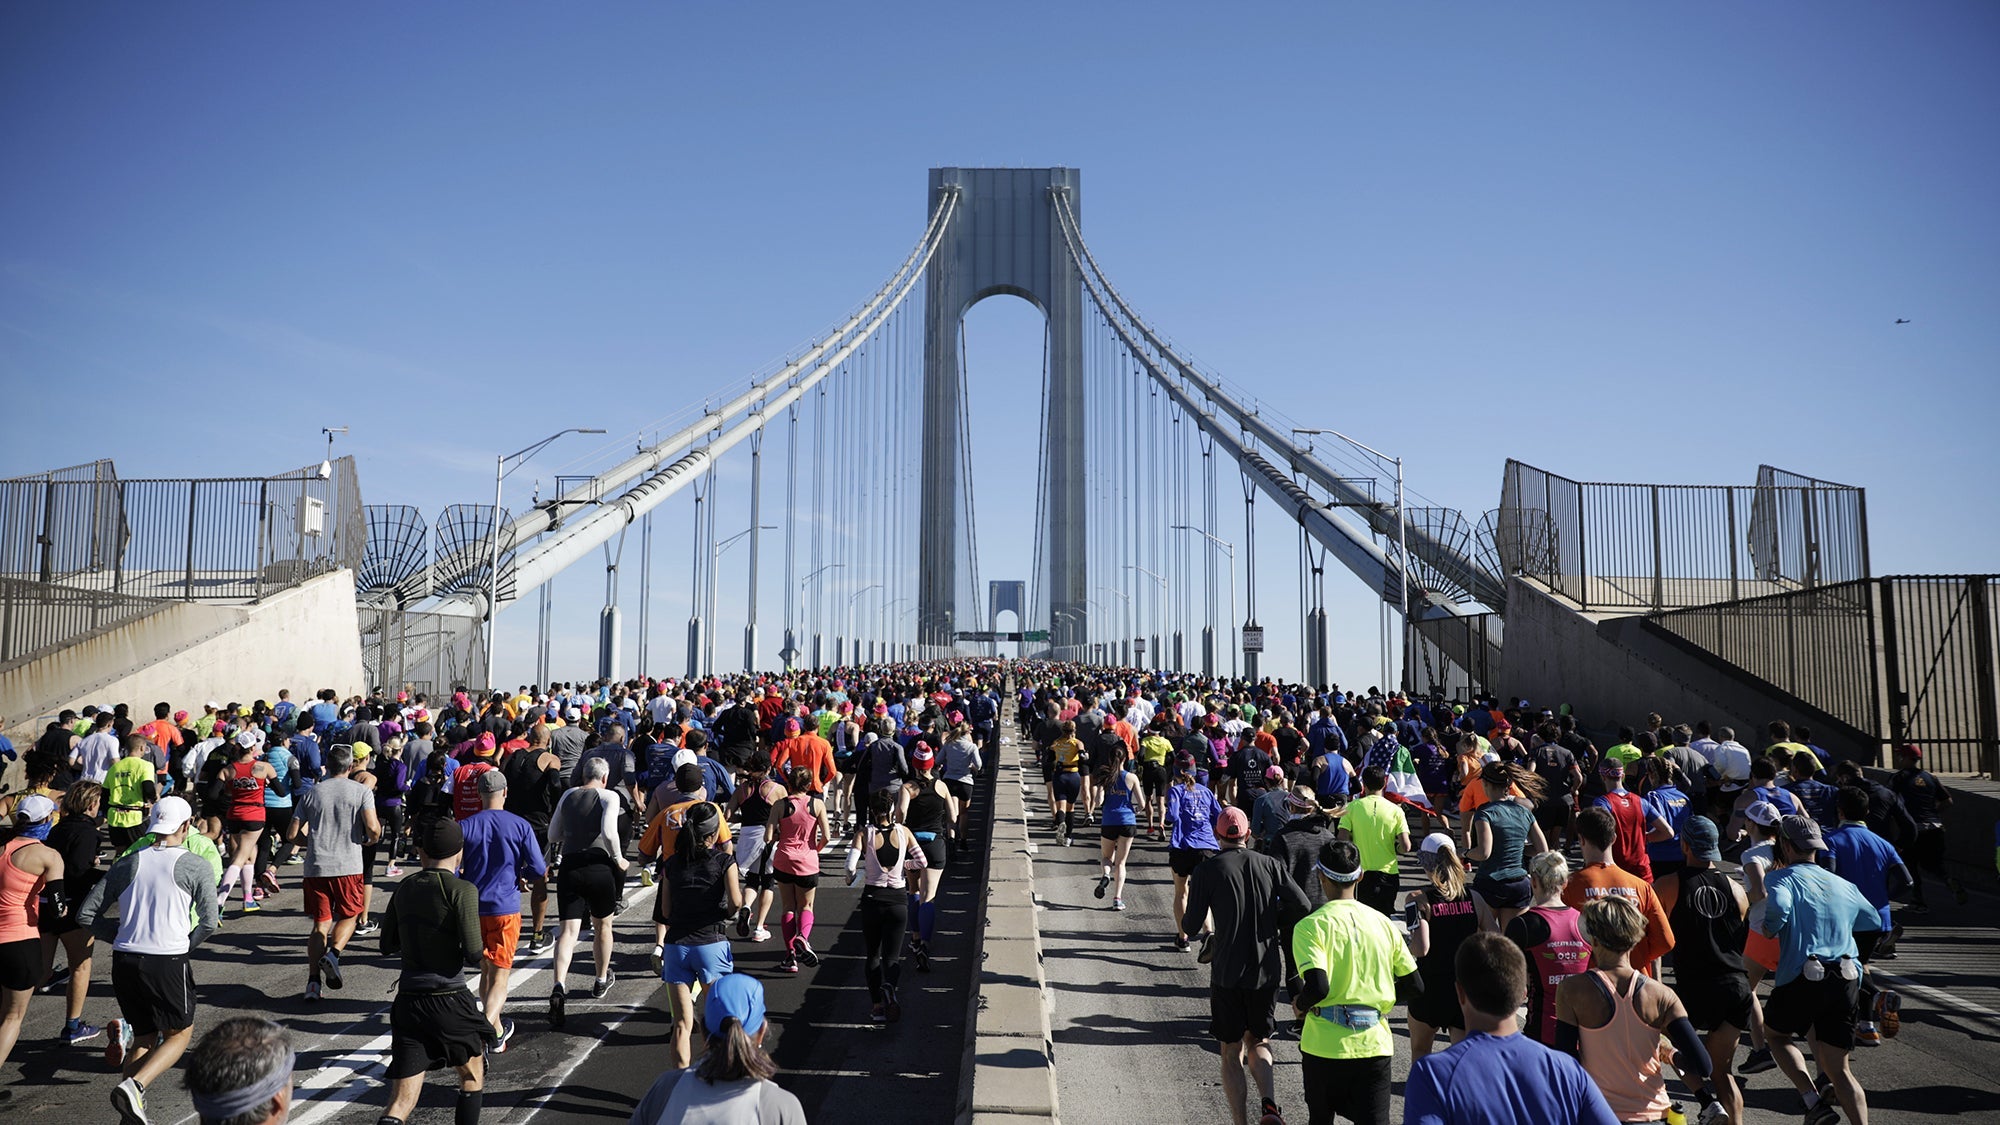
1155	750
1624	754
1359	950
125	792
1374	823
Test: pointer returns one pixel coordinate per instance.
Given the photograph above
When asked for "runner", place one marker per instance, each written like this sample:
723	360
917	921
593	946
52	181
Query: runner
1068	755
1561	777
1503	834
1816	917
27	869
242	785
1242	895
1353	967
337	818
1760	950
1549	935
155	892
502	858
534	785
1666	805
753	802
585	829
1496	1075
1634	823
131	786
1927	802
1876	870
925	807
732	1083
797	831
241	1072
1123	801
1599	877
1440	916
1709	914
1380	832
1192	809
432	923
76	839
1612	1017
883	852
699	892
961	762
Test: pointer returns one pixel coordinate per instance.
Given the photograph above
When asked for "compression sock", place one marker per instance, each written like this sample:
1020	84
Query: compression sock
789	928
927	920
916	902
806	926
468	1107
229	878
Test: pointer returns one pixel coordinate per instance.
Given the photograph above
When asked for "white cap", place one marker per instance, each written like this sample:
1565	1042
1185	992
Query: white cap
169	815
213	705
573	714
1762	812
34	808
1437	842
249	737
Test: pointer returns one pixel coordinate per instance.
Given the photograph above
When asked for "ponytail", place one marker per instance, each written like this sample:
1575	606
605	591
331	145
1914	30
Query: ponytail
732	1056
1447	874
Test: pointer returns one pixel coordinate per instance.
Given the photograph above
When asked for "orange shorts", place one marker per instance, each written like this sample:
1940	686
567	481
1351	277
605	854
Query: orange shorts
499	936
334	896
1763	950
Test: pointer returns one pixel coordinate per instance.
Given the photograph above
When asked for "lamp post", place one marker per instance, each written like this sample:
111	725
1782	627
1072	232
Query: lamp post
818	637
1208	640
500	473
750	631
1126	660
882	627
1402	550
1159	610
851	599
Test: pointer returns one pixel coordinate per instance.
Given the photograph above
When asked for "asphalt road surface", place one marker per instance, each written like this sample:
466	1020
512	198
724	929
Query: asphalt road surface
843	1068
1130	1013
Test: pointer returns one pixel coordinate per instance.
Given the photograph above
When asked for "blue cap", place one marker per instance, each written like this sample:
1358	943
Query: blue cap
739	995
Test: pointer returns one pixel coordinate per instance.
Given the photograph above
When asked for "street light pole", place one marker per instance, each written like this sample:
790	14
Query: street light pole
851	599
1230	550
1127	642
1402	542
1160	608
818	637
500	472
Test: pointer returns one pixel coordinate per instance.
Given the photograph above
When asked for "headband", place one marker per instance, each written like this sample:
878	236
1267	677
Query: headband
1336	876
234	1103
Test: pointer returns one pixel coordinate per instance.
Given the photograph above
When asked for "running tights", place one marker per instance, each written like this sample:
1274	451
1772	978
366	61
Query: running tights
884	920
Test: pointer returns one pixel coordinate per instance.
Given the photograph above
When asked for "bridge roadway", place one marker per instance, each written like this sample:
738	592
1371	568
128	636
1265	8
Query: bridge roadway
1129	1013
843	1068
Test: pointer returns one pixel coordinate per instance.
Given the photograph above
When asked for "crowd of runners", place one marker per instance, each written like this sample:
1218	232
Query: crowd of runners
1582	922
432	833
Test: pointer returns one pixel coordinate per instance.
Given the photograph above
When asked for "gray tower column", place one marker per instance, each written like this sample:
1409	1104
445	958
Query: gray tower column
1004	238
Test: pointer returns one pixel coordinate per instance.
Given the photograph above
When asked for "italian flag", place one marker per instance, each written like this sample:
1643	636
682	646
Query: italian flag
1403	787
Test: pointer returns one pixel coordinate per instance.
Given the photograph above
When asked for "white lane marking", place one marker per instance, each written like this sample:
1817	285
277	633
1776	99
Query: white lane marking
1942	999
547	1092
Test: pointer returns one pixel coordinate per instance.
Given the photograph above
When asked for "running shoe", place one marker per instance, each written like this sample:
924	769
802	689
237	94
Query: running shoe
760	934
129	1099
394	872
804	953
57	981
1713	1114
1271	1114
542	941
295	860
1207	953
499	1044
120	1043
1866	1034
252	906
329	968
557	1002
743	922
602	985
1757	1061
922	953
877	1014
77	1032
788	966
1889	1012
259	895
894	1008
1826	1111
1180	943
1103	884
368	929
646	876
1913	908
1117	904
312	990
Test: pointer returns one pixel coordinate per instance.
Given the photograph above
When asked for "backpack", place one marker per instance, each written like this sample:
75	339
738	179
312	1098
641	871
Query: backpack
218	780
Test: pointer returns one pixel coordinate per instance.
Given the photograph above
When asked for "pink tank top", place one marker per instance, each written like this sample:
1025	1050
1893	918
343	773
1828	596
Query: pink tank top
1623	1056
1563	955
795	852
20	897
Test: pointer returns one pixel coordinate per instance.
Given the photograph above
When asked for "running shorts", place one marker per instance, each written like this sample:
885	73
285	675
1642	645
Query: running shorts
1236	1012
1761	948
803	882
961	791
687	964
1504	894
21	965
1069	785
1117	831
1183	861
240	827
1153	779
1715	1001
587	888
430	1030
155	991
933	850
1437	1004
499	937
1351	1089
335	896
1826	1007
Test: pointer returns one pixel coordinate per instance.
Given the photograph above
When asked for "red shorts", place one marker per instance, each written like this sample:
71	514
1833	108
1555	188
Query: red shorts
334	896
499	936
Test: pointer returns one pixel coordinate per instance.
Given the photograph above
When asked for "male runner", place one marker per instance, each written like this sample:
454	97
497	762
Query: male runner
338	817
502	859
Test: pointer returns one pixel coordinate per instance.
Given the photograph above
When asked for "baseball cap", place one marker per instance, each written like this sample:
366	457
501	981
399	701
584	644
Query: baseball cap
35	808
168	815
1762	812
1273	773
1703	839
737	995
1911	749
1232	824
1437	842
249	737
492	781
572	714
213	705
1802	832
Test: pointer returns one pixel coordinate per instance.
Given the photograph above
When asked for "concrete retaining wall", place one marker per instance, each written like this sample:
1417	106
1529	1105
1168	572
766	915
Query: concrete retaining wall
1013	1077
304	638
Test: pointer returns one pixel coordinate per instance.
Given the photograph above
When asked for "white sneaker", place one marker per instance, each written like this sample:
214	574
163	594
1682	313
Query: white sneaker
760	934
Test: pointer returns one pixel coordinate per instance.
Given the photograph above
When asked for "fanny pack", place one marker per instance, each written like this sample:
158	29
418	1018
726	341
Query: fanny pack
1354	1017
1815	968
925	835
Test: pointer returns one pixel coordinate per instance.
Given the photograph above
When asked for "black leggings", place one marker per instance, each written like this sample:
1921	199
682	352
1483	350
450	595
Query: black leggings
277	822
885	916
392	839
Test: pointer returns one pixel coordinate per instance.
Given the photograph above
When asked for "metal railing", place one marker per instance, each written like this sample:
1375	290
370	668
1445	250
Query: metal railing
41	617
1666	546
420	651
226	539
1938	670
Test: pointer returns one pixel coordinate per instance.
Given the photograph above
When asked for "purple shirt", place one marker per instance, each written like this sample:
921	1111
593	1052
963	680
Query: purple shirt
500	849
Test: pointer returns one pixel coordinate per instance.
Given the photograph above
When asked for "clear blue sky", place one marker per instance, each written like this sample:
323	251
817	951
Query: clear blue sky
1659	242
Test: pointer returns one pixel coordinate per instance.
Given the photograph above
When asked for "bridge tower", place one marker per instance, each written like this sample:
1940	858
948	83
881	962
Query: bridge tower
1004	238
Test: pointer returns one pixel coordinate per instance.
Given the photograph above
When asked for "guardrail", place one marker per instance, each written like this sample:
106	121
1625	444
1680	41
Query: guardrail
40	617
